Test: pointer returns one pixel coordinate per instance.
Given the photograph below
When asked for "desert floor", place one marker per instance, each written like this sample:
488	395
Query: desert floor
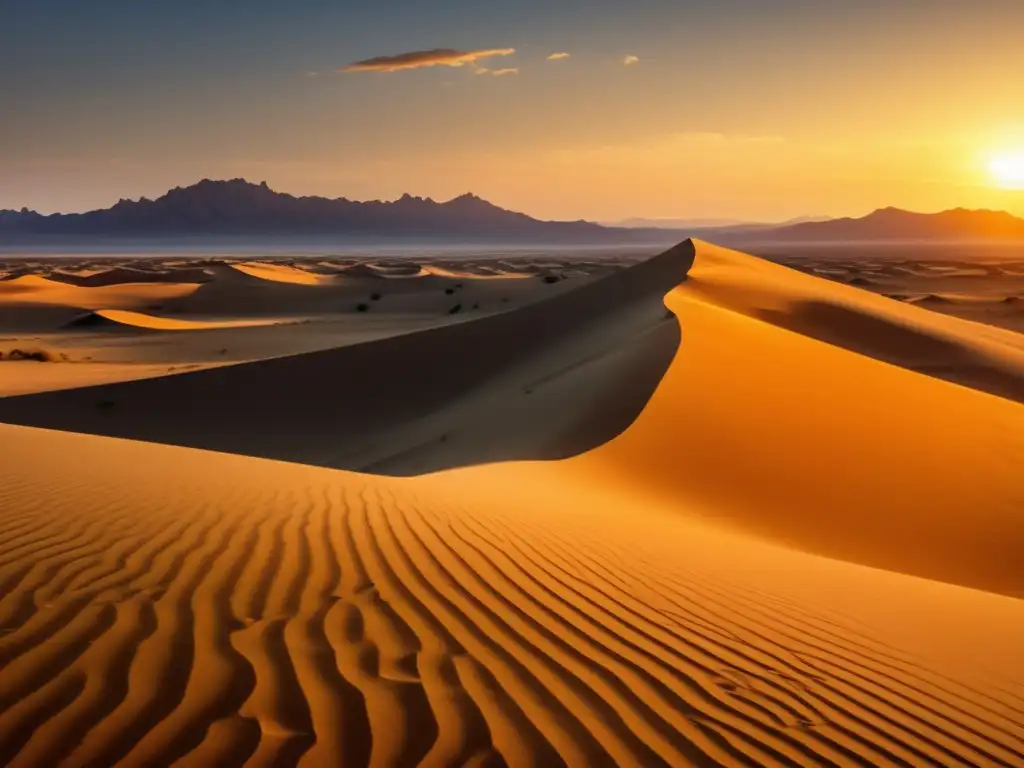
699	509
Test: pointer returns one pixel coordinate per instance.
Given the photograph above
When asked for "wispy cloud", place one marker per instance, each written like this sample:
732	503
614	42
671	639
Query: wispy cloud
629	60
558	56
447	57
506	71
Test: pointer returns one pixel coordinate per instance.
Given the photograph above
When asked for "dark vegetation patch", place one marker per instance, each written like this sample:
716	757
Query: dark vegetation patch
37	355
455	310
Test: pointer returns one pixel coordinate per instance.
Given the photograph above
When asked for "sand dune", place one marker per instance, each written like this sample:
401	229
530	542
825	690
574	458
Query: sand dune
353	408
36	290
477	274
812	446
947	279
281	273
227	316
979	356
488	390
273	614
121	275
123	317
375	271
706	588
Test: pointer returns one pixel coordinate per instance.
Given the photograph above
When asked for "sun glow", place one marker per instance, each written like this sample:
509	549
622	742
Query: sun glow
1008	170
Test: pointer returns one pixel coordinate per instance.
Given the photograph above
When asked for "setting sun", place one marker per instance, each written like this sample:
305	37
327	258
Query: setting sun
1008	169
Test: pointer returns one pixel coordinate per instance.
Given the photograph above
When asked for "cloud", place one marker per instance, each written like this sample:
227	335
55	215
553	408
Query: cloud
558	56
448	57
630	59
478	70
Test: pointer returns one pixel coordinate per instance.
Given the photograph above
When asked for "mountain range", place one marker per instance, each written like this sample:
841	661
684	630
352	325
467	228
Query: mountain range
238	207
896	224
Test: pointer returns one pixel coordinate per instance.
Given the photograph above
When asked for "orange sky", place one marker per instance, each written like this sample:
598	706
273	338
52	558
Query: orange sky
687	109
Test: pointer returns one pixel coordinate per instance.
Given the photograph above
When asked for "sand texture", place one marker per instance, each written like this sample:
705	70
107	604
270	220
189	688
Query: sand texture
682	512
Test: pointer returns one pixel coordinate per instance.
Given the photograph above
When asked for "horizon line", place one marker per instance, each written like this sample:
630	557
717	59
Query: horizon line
603	221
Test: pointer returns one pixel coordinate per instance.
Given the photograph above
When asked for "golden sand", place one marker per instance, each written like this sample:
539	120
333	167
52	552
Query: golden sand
796	554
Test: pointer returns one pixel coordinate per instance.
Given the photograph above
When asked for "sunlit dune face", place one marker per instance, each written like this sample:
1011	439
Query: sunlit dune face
1008	170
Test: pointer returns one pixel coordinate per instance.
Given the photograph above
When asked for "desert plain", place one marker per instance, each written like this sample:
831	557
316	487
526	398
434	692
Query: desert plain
701	508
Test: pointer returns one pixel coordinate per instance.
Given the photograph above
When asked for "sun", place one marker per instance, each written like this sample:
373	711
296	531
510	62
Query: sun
1008	170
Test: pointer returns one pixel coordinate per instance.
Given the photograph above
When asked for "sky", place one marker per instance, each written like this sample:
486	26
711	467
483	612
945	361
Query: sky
758	110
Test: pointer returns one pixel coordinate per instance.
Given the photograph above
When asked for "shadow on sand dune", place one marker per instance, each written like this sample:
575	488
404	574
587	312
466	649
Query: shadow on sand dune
546	381
902	345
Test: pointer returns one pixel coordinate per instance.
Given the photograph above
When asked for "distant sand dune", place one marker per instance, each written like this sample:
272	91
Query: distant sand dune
375	272
122	275
36	290
478	274
281	273
122	317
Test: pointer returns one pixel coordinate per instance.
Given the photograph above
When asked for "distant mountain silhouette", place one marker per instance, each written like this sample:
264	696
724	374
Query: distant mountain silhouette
894	224
238	207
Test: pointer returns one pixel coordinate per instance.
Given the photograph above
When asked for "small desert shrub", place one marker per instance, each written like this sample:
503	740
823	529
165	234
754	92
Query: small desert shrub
362	307
455	310
375	297
549	279
30	354
449	291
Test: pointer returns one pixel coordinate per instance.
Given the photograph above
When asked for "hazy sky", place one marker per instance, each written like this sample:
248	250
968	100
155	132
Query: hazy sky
753	109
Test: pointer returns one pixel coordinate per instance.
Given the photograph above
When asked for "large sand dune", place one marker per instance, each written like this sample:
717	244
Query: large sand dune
789	555
492	389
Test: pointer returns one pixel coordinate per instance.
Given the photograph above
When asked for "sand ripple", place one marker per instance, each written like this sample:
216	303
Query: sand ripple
263	613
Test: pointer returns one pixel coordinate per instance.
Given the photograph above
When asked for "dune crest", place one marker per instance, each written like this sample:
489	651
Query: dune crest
155	323
281	273
36	290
